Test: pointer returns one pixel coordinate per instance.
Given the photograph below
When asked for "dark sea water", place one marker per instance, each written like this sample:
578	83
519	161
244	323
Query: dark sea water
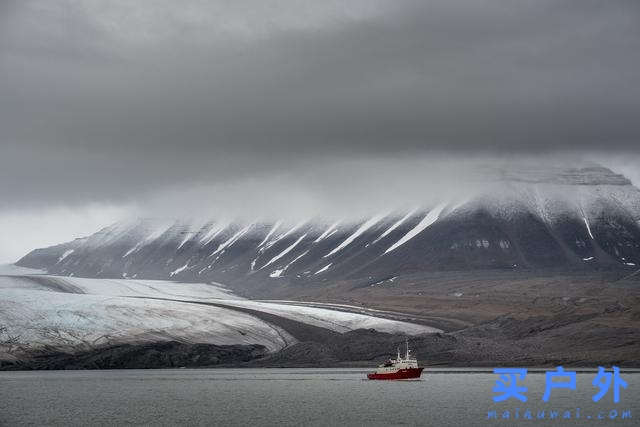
292	397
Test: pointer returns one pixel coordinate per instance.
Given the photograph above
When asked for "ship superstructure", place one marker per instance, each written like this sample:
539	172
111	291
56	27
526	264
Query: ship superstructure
399	368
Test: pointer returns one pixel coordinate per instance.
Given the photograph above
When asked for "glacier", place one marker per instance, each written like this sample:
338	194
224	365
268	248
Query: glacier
74	314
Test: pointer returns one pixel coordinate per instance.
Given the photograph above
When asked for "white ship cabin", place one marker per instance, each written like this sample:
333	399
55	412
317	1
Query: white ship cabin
406	362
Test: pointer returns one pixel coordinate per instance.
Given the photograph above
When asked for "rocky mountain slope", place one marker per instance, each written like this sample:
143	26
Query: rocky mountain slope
529	218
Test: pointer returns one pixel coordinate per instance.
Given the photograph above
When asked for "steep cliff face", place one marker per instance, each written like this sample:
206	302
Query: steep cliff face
529	218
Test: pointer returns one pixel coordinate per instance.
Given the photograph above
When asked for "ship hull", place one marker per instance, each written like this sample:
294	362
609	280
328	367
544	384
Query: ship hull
401	374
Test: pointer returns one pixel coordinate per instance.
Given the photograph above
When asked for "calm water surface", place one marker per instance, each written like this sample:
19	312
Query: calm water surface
289	397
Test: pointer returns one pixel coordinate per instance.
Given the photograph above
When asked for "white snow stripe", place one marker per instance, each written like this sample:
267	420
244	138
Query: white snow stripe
279	273
232	239
286	251
429	219
178	270
190	230
184	240
273	229
158	232
212	233
262	249
396	225
64	255
276	273
151	237
364	227
283	235
328	231
323	269
332	233
133	249
296	258
188	235
588	228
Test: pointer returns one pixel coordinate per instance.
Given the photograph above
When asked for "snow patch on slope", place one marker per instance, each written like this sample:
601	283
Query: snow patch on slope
588	227
276	273
328	232
178	270
283	235
429	219
232	239
364	227
394	226
211	234
286	251
280	272
323	269
270	233
64	255
159	231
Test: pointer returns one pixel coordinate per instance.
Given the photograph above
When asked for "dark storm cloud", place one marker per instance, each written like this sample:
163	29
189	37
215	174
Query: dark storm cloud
110	100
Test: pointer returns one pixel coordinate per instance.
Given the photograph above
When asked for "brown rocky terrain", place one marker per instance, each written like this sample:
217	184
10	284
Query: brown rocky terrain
489	318
508	318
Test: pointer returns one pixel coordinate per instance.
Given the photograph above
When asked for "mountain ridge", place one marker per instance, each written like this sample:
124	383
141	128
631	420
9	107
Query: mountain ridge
531	218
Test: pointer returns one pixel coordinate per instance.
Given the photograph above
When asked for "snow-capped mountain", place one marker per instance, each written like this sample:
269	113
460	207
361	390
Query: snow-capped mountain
524	218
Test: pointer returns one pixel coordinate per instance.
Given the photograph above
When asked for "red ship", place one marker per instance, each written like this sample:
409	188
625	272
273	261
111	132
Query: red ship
400	368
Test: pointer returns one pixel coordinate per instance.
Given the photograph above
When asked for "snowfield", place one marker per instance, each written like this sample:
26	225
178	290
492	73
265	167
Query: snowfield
339	321
14	270
78	313
70	321
114	287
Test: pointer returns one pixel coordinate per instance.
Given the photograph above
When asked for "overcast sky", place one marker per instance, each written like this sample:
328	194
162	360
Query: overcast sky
106	104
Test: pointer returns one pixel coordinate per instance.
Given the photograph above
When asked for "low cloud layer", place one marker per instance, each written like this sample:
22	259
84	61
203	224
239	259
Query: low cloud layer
129	103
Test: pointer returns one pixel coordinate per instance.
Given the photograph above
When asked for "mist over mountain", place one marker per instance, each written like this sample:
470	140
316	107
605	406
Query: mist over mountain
214	109
528	217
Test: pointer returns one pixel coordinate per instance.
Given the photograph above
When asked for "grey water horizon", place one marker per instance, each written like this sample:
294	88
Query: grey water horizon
285	396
